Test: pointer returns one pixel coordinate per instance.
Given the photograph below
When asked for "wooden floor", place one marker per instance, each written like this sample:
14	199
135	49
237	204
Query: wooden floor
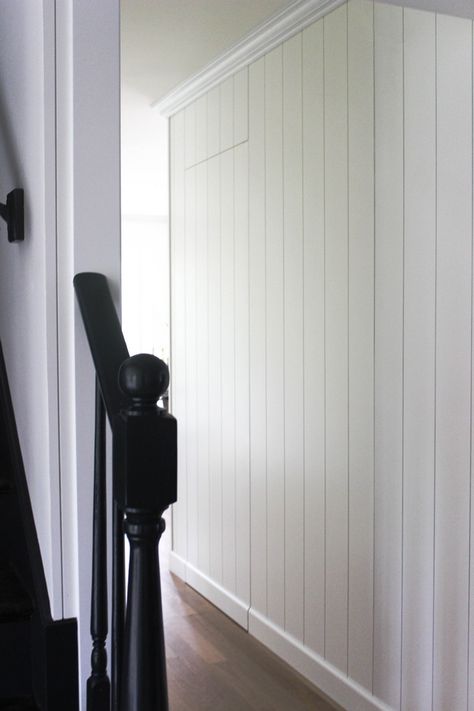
215	665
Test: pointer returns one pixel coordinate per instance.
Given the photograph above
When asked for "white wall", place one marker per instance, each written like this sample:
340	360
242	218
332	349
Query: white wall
59	140
210	336
28	270
88	183
322	353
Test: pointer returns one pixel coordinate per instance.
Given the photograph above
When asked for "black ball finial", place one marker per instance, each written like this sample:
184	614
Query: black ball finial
144	378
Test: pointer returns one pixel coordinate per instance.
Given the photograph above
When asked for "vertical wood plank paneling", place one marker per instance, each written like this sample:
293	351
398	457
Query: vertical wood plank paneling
202	367
201	128
388	451
275	443
228	369
213	122
241	106
215	378
242	444
313	279
453	360
327	458
257	308
336	261
178	331
293	332
361	338
470	668
419	359
226	90
190	135
191	371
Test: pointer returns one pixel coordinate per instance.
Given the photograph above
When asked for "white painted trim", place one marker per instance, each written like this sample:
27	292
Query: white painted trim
231	605
255	44
177	565
55	561
226	601
330	680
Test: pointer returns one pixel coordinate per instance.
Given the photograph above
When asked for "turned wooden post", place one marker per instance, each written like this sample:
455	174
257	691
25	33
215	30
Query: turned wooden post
118	605
98	684
145	457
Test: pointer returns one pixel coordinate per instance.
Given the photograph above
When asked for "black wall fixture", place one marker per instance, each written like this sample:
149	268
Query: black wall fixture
13	214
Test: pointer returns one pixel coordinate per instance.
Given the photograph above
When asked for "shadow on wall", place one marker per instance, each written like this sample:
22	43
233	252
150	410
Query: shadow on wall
10	164
11	173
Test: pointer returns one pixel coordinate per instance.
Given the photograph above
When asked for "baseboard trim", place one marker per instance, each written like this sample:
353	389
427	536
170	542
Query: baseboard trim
226	601
338	687
326	677
177	565
231	605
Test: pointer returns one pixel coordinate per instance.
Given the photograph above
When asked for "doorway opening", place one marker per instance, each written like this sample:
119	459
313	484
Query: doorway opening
145	227
145	256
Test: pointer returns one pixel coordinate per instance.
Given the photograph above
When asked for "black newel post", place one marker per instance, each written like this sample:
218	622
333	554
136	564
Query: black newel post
145	463
98	684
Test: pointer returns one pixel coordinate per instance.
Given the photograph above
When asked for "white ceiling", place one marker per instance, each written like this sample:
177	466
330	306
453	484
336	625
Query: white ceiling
164	42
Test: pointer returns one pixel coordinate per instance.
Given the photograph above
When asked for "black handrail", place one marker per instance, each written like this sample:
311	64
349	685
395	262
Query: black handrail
144	485
104	333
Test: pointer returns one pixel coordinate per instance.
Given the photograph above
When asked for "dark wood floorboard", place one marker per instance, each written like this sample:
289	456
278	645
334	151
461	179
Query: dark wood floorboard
214	664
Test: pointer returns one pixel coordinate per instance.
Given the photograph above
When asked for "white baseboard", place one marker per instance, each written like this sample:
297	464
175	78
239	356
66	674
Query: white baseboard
177	565
331	681
233	607
226	601
326	677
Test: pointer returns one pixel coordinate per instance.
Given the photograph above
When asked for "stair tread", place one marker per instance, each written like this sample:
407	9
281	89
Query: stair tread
18	705
15	603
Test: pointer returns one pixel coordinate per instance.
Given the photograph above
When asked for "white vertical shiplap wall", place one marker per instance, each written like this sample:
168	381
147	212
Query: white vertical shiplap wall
293	337
336	336
453	360
389	343
274	317
322	212
313	329
419	358
210	341
360	81
178	331
258	373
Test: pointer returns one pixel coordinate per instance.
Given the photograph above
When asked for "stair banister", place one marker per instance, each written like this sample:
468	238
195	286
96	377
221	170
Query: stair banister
144	485
145	446
98	684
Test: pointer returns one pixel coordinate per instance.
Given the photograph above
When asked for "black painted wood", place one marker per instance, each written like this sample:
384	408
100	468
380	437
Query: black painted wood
38	656
144	485
104	334
98	684
15	601
23	704
144	672
145	439
13	212
118	604
146	443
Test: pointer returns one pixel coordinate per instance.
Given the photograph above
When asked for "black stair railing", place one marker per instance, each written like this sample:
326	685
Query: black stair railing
144	485
98	684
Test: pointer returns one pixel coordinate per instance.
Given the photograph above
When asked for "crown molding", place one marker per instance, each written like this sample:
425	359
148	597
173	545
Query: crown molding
258	42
